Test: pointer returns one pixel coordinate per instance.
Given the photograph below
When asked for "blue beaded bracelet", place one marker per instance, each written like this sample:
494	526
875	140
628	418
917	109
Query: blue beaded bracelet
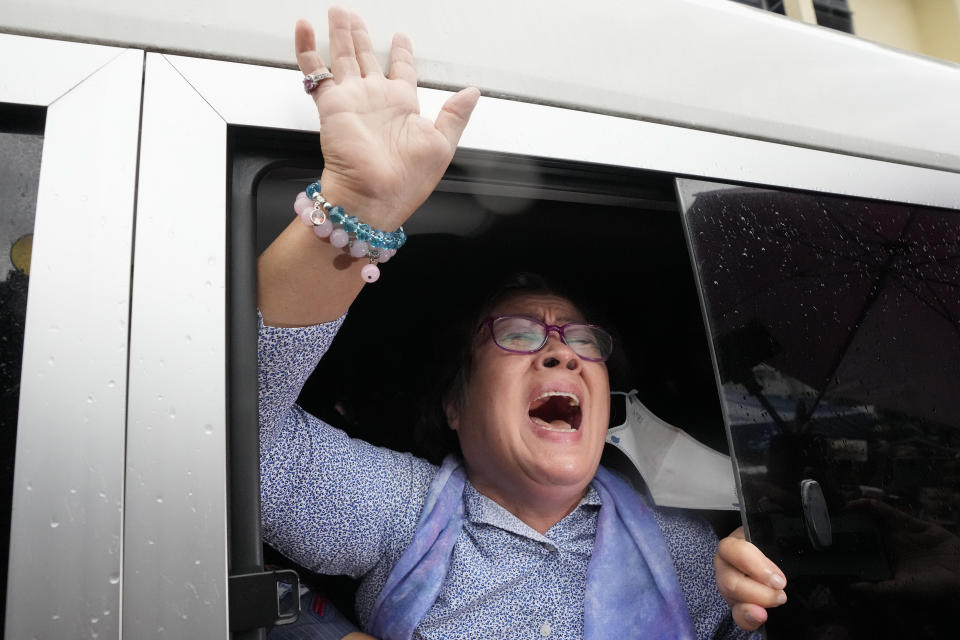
346	231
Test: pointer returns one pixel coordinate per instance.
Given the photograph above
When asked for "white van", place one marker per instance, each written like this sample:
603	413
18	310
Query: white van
767	210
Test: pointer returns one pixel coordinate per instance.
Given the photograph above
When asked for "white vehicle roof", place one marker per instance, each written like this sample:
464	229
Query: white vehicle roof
706	64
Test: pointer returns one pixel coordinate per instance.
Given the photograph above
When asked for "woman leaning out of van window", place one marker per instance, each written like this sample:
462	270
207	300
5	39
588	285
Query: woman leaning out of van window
525	535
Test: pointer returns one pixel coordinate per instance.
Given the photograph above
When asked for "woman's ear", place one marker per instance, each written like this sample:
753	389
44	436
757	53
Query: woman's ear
452	412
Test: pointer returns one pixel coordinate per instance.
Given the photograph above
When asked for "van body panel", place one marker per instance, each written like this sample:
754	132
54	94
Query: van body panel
66	534
706	64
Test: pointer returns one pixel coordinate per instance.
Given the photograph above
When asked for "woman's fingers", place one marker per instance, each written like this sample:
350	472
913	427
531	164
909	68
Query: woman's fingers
308	59
401	60
363	47
747	580
343	54
749	616
737	587
455	114
749	560
305	43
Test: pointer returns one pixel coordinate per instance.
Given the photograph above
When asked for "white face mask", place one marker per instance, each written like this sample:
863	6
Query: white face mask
678	470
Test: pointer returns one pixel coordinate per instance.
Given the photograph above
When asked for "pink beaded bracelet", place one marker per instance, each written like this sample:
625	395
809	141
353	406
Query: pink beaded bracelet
359	239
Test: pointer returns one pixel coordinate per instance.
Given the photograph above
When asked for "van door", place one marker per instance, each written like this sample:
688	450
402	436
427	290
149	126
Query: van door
227	146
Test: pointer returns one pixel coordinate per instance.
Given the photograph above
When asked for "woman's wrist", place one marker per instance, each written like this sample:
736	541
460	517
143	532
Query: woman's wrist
381	210
346	231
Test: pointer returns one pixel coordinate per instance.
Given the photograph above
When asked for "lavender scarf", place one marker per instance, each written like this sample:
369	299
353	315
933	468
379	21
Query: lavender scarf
632	589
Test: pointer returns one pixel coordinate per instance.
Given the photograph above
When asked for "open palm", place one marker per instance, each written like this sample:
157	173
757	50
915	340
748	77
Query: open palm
379	153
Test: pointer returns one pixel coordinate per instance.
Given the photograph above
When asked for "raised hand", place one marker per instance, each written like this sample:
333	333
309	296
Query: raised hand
747	580
382	159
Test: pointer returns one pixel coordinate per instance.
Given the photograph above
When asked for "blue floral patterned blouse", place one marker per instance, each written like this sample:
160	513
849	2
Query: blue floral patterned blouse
342	506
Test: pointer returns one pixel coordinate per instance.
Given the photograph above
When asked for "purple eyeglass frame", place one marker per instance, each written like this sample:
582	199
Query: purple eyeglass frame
489	320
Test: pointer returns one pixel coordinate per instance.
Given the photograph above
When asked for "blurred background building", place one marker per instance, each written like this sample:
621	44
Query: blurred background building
927	27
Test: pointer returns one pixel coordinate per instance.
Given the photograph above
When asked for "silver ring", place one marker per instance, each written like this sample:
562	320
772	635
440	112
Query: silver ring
312	80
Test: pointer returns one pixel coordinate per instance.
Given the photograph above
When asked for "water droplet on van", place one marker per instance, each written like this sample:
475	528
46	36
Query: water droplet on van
29	487
52	361
54	523
211	261
91	399
73	490
173	413
159	500
94	620
111	384
208	429
114	578
55	617
106	612
189	339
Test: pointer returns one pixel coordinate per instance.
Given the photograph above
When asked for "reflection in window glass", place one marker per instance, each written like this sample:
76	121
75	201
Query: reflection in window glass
19	174
836	328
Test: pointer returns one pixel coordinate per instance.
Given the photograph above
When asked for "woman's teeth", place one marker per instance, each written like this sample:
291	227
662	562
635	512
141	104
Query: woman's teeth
549	427
556	411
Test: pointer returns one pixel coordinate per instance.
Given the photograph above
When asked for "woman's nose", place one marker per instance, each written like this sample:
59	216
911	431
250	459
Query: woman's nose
555	354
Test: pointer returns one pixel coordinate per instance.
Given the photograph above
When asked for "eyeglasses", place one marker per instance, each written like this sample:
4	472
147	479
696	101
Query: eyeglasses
525	334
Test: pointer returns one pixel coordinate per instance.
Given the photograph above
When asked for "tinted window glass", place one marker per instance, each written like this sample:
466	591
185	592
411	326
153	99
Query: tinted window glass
836	329
21	141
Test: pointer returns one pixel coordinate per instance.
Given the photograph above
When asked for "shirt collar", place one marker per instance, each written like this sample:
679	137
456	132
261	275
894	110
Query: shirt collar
480	509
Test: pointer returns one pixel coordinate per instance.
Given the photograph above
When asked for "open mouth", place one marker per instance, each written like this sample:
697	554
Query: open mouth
556	411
